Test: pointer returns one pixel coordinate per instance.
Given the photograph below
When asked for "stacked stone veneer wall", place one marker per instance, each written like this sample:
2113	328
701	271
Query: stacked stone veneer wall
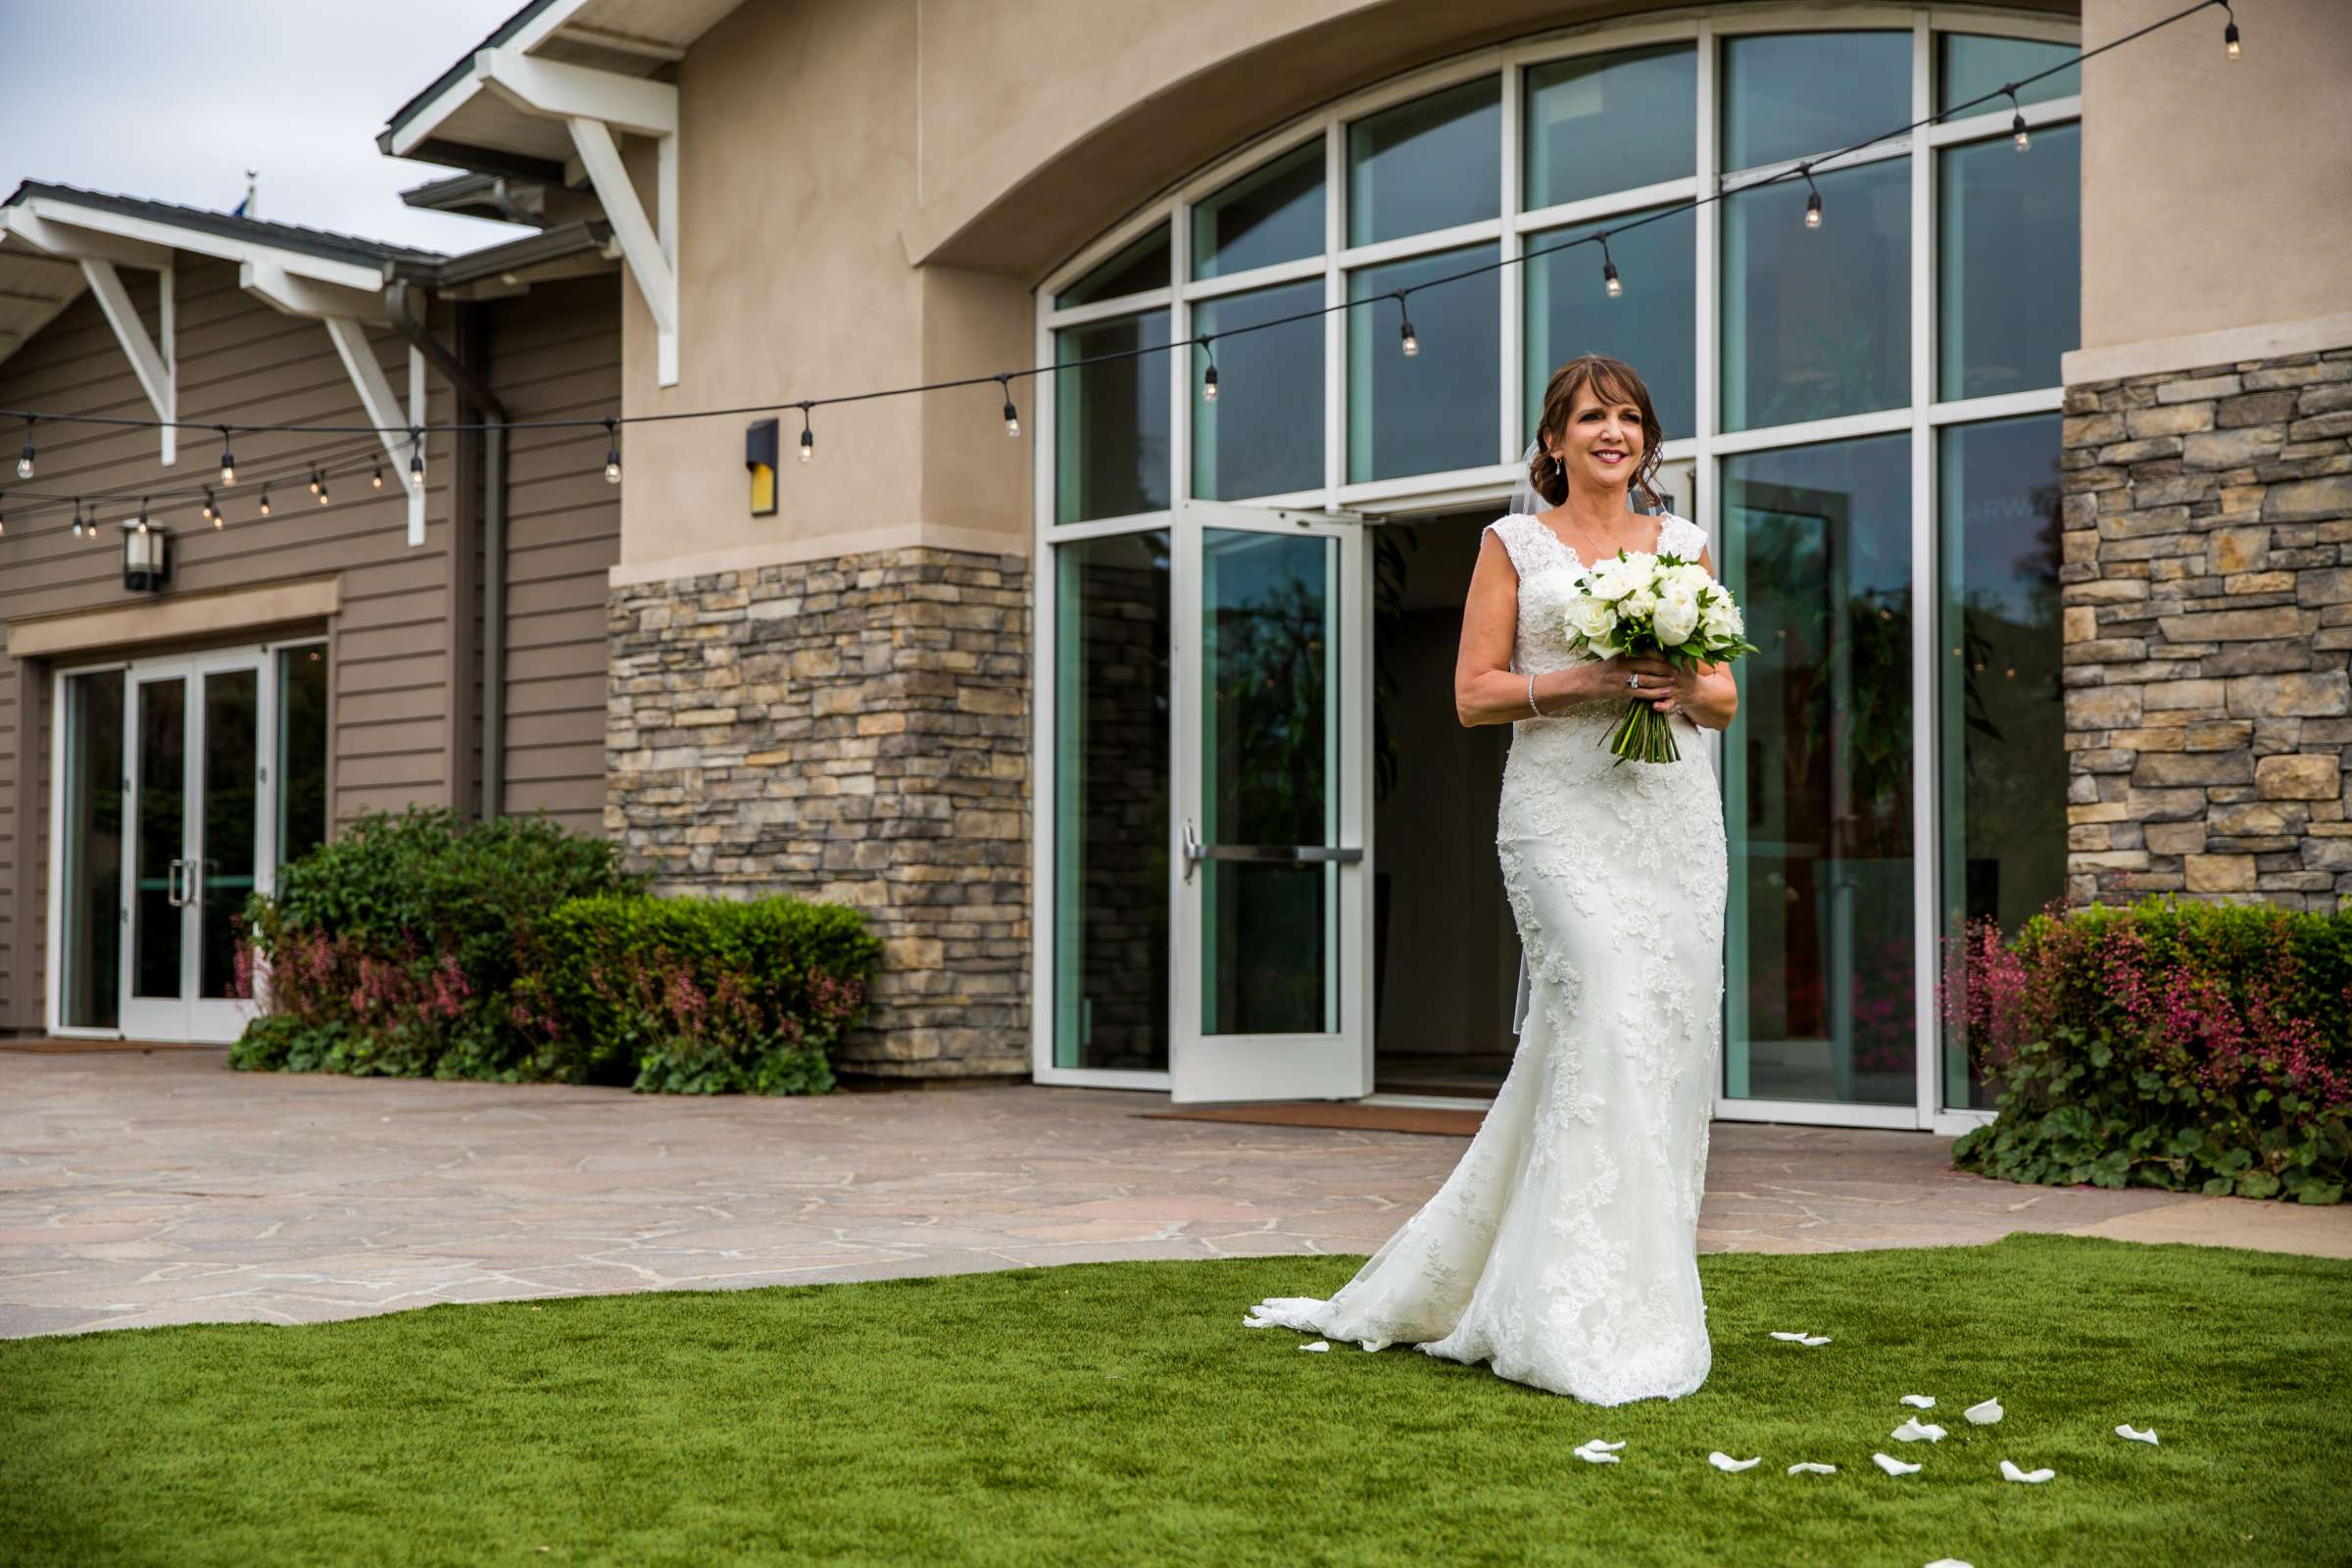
2208	614
852	729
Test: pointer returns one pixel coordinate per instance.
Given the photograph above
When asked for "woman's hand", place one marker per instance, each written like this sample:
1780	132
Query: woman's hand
1664	685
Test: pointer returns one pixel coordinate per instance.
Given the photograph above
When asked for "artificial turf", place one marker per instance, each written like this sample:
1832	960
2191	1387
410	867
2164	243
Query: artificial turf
1120	1413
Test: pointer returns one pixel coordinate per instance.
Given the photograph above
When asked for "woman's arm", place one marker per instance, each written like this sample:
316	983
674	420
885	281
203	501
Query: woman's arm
1485	690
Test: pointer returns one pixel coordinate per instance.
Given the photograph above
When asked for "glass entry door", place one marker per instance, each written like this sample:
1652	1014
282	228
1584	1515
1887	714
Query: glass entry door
1272	968
194	833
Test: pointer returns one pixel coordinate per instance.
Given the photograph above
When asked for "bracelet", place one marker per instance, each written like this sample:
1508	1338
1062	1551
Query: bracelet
1531	695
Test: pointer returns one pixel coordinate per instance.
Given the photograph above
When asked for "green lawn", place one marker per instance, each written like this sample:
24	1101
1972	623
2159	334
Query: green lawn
1121	1413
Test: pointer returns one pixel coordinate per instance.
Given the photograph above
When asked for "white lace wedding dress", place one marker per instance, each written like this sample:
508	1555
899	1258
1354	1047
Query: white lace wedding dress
1562	1251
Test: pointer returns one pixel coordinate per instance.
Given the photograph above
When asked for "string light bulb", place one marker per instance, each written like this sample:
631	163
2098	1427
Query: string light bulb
24	458
808	437
2230	33
143	514
1208	380
1813	200
1609	271
1013	415
228	461
416	457
212	513
1412	344
318	483
77	516
376	479
612	451
265	500
2016	119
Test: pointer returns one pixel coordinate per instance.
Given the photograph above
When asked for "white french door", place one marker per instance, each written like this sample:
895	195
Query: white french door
1272	904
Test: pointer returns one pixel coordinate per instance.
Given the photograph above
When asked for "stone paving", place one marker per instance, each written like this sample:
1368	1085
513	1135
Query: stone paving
144	1188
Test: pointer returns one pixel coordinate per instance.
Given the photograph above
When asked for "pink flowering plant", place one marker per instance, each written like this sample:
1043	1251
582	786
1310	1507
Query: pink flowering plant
2182	1046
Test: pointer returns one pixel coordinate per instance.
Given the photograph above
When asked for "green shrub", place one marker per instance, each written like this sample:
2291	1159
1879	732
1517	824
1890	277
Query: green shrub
693	996
2190	1047
394	949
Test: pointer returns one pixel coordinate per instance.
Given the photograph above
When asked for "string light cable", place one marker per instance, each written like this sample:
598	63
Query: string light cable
1612	283
20	503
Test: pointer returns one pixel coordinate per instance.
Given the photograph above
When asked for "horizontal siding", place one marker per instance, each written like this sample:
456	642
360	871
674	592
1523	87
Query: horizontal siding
238	362
556	354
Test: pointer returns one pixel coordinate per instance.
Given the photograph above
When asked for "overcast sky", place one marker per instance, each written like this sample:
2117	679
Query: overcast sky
174	100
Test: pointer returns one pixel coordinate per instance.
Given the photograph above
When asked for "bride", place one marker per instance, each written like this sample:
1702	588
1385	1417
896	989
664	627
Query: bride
1562	1251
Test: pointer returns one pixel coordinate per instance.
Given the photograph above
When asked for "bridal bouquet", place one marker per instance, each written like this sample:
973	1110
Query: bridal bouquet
1664	605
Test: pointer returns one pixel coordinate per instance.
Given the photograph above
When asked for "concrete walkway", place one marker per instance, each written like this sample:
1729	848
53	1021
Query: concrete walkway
143	1189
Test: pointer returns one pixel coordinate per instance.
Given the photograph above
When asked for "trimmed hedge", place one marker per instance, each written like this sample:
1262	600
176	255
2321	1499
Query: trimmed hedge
2190	1047
511	951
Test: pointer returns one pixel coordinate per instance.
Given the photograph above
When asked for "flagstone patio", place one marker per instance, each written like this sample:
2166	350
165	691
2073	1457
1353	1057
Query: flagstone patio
139	1189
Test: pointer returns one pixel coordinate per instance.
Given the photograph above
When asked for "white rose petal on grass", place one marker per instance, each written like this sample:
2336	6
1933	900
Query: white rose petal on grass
2010	1472
1951	1562
1602	1445
1926	1401
1596	1456
1819	1338
1319	1344
1725	1462
1913	1430
2137	1435
1778	1335
1802	1466
1893	1466
1984	1414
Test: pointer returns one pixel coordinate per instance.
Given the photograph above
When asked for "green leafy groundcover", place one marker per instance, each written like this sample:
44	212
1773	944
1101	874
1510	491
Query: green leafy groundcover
1120	1413
2189	1046
416	944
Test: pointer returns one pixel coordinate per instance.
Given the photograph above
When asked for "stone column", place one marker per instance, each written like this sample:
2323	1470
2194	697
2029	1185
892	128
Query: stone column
2208	591
852	729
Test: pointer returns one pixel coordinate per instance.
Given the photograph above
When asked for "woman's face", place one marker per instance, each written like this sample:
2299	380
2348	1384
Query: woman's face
1600	446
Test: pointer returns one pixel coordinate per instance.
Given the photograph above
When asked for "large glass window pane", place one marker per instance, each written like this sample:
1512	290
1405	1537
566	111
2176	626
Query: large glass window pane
1427	165
301	751
1431	412
1270	765
1111	801
1817	776
2009	263
1817	321
1140	265
223	878
1649	327
1262	435
1273	214
1969	66
2000	721
1610	122
1802	94
90	882
161	792
1111	420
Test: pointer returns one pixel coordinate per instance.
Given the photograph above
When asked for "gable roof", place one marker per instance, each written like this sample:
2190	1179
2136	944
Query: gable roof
228	226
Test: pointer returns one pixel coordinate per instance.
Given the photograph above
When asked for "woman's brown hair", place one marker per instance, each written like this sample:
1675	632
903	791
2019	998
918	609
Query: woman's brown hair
1612	381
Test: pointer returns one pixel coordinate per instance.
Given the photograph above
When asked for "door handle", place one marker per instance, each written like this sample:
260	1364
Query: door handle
171	884
1193	853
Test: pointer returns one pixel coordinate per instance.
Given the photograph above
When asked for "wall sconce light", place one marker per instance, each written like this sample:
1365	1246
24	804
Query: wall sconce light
760	461
146	555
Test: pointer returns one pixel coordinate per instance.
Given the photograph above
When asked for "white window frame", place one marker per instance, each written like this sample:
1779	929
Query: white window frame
1703	26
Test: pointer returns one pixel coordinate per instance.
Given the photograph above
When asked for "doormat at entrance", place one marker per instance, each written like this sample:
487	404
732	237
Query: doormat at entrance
1335	1113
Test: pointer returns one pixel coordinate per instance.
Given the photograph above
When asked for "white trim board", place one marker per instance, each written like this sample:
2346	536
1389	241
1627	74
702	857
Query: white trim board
2197	350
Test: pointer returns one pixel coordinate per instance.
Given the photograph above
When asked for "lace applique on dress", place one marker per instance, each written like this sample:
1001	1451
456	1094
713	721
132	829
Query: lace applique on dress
1562	1249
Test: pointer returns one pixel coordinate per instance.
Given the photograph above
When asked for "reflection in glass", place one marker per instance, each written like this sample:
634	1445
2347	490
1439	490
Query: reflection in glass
1818	779
1817	321
1270	742
1649	327
90	882
1427	165
1434	411
224	876
2001	733
1110	818
1263	434
2009	259
1805	94
1608	122
1969	66
1140	264
161	794
1111	420
301	751
1272	214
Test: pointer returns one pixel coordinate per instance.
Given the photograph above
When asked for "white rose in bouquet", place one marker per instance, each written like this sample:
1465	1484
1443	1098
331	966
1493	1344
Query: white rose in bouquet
1659	605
